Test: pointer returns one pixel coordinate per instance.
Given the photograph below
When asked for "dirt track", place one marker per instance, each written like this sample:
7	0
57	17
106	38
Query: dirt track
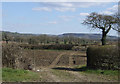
55	73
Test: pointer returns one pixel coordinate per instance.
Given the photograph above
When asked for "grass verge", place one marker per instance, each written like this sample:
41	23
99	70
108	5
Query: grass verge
96	71
17	75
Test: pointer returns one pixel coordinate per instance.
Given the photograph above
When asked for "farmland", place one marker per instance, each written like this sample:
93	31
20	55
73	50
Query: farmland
58	66
44	58
57	61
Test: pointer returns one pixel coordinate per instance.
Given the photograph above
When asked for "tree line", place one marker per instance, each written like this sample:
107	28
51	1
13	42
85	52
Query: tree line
43	39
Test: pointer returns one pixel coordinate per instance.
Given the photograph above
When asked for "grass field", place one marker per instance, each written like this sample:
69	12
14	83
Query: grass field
16	75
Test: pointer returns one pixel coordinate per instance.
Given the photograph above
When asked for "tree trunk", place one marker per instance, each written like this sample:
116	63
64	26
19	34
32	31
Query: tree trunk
103	38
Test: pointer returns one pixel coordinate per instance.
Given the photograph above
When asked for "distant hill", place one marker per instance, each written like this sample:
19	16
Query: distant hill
79	35
87	36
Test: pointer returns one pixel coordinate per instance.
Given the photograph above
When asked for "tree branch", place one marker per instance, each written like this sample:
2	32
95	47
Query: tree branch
108	29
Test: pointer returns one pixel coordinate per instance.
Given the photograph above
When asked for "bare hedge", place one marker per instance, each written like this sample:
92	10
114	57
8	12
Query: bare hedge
103	57
14	57
53	46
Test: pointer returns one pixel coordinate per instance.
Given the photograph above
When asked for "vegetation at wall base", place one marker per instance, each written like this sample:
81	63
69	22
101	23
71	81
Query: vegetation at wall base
86	69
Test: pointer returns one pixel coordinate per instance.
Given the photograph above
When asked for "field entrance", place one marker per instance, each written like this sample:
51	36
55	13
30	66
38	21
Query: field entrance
59	66
55	58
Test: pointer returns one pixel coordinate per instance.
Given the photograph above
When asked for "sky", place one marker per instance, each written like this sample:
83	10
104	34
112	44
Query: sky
52	17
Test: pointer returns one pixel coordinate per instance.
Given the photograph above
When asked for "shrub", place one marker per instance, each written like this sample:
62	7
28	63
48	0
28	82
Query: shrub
103	57
14	57
9	54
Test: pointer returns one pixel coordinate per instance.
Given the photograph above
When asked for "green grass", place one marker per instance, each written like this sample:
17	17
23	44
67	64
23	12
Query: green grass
97	71
17	75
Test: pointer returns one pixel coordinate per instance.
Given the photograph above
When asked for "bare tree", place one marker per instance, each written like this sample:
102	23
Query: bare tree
102	22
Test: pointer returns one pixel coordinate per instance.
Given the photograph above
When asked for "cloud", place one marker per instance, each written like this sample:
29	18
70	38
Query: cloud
66	18
60	0
65	9
41	9
57	4
114	8
107	12
66	6
60	9
53	22
73	4
110	11
84	14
